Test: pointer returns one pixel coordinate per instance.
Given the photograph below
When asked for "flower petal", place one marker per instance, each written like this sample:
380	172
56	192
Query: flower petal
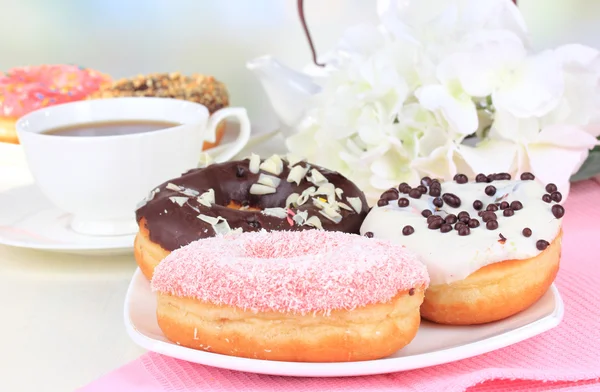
534	88
490	156
567	136
459	110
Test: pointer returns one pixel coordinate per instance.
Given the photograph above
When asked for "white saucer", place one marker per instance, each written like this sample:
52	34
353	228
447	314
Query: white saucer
434	344
29	220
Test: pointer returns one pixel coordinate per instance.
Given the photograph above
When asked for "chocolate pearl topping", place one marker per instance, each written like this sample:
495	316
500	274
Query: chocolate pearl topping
473	223
445	228
542	244
432	218
489	216
478	205
527	232
547	198
403	202
464	230
426	213
422	188
527	176
463	214
551	188
436	224
491	207
408	230
426	181
451	218
504	205
558	211
492	225
369	234
382	202
390	194
451	199
435	192
490	190
438	202
516	205
415	193
481	178
508	212
461	179
458	225
404	187
501	176
556	196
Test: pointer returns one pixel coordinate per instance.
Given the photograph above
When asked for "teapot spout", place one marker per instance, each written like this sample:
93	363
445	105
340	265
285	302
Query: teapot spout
289	91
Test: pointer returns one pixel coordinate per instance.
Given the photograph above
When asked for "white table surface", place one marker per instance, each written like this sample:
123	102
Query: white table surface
61	323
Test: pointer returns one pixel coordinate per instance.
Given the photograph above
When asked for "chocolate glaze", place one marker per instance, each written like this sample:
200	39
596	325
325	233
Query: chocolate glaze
173	226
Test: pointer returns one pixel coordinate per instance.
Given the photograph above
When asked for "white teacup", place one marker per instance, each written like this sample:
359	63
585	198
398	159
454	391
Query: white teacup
101	179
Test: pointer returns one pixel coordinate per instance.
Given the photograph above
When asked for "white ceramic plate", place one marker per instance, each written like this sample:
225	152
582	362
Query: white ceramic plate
433	345
29	220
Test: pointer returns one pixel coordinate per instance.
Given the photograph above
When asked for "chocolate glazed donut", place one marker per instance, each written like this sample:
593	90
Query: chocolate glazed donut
246	195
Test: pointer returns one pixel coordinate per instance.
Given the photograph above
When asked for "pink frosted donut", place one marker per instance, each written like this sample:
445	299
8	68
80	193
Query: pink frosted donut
25	89
295	296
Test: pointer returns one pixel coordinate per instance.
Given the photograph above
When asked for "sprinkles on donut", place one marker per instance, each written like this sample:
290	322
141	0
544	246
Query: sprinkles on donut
491	247
277	193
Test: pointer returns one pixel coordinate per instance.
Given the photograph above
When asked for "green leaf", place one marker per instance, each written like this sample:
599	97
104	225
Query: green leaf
591	166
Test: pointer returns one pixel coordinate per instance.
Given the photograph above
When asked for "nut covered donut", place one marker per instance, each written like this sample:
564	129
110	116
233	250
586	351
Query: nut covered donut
247	195
492	247
303	296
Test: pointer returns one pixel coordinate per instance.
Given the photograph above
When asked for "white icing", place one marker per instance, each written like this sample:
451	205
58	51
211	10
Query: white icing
450	257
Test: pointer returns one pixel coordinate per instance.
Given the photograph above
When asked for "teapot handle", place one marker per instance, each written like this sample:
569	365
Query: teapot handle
307	33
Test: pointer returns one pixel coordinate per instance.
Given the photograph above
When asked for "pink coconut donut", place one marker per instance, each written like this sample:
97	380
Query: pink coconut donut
314	295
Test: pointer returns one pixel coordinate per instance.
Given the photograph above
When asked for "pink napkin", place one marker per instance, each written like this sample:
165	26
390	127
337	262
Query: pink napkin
566	358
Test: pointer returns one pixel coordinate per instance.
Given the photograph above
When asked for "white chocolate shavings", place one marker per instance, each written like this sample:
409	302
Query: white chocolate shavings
207	198
180	200
259	189
291	199
327	190
277	212
344	206
205	160
150	196
222	227
300	217
211	220
189	192
254	165
331	214
315	222
268	180
273	165
319	202
317	178
293	159
339	192
173	187
296	174
306	194
356	203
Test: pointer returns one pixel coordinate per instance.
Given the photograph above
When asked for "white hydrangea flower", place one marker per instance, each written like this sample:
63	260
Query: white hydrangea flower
448	86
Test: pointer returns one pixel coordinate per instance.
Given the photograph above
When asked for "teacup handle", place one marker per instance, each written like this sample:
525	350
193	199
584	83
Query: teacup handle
244	136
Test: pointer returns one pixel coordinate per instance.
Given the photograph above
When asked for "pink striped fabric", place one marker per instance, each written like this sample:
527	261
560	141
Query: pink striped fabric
566	358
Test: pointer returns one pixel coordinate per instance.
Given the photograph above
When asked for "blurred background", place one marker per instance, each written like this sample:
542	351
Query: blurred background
128	37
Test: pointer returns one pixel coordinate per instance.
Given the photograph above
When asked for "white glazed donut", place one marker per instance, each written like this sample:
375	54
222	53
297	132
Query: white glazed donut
496	263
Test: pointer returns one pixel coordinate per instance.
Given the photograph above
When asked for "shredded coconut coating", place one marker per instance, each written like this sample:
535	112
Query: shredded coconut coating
298	272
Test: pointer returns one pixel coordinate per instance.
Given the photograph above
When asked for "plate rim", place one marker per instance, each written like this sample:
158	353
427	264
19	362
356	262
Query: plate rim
350	369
